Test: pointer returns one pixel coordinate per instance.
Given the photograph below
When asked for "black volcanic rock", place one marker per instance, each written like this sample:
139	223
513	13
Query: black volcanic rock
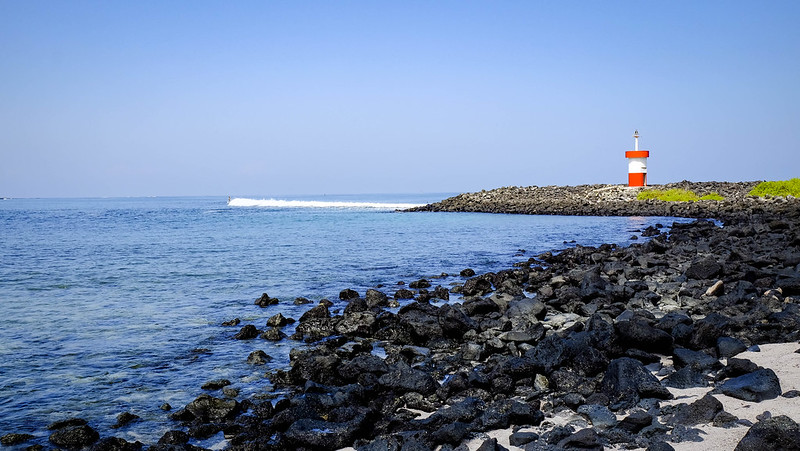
757	386
779	433
627	381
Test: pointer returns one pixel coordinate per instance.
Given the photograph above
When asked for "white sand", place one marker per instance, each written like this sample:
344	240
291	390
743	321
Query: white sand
781	358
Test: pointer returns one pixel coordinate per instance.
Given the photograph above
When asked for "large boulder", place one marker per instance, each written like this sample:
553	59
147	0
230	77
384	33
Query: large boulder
703	269
406	379
206	408
640	335
701	411
626	381
74	437
757	386
454	322
779	433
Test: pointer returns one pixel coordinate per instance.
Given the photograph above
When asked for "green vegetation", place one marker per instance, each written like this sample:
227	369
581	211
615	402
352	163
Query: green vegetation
781	188
713	195
670	195
677	195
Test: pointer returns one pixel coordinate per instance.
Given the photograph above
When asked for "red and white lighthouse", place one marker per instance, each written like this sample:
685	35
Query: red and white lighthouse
637	163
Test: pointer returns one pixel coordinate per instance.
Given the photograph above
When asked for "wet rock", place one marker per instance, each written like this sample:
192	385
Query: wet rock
757	386
233	322
69	422
403	294
206	408
780	433
468	272
216	384
74	437
124	419
318	311
421	283
14	439
174	438
357	323
478	286
116	444
626	381
258	357
247	332
348	294
273	334
265	300
278	320
375	298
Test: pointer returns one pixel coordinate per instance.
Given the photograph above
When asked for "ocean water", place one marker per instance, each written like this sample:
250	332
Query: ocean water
116	305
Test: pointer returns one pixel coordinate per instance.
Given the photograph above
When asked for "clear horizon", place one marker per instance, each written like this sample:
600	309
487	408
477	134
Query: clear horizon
297	98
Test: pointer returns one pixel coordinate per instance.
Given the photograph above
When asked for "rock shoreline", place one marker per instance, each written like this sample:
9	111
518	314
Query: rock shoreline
600	333
615	200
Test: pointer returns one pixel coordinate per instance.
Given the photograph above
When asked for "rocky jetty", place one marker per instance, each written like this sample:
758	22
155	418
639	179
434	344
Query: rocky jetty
614	200
599	334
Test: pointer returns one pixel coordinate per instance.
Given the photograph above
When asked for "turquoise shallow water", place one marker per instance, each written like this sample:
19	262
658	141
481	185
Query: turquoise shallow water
113	305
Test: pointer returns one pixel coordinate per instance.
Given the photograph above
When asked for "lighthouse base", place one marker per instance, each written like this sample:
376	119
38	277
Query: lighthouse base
637	179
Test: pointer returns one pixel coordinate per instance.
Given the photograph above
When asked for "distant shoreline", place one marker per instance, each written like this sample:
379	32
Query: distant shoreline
614	200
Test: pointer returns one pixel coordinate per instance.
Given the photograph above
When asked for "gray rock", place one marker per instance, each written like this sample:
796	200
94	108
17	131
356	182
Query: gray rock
757	386
600	416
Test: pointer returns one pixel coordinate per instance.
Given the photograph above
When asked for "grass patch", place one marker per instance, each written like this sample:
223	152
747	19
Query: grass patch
780	188
670	195
713	195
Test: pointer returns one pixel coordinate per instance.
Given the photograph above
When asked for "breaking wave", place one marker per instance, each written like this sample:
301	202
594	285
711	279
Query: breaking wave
280	203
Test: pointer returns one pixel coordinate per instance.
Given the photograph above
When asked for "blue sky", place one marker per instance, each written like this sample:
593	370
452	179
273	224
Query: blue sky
269	98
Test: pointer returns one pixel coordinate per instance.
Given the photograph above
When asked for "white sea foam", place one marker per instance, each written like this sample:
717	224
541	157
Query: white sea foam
280	203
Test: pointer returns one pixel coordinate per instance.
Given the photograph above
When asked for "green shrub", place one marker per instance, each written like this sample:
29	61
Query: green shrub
670	195
778	188
713	195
